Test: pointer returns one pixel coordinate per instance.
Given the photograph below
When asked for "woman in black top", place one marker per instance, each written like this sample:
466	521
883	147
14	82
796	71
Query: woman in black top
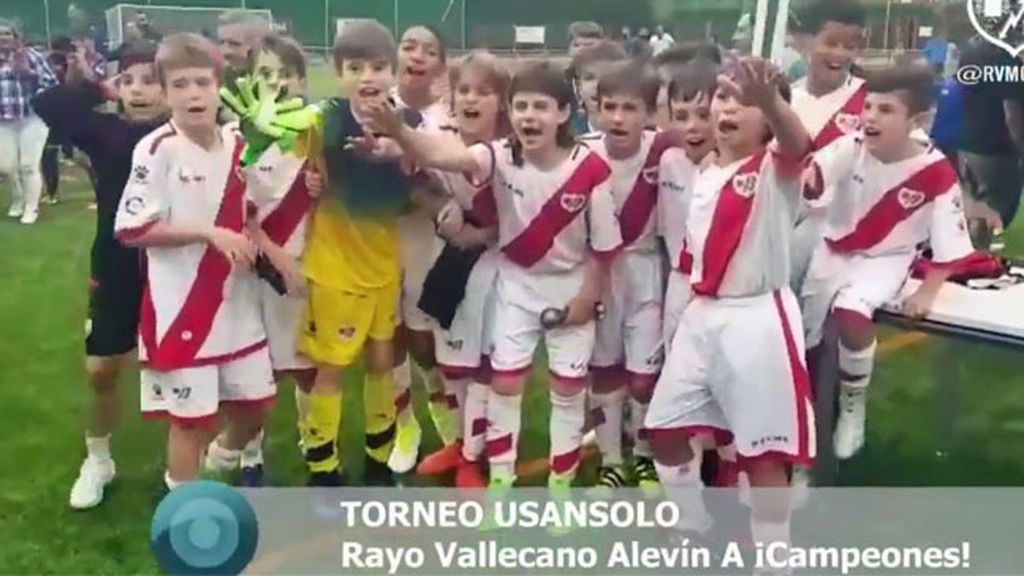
109	140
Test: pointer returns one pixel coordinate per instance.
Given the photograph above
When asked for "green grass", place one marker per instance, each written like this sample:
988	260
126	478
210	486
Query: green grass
45	402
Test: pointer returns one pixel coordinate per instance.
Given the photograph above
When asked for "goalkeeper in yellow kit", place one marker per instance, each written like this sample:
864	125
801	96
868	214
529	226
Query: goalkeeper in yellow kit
352	255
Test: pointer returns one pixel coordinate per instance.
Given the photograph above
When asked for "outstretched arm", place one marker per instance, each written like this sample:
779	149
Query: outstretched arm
426	151
756	84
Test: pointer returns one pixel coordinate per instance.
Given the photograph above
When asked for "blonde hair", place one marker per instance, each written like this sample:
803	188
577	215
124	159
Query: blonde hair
187	50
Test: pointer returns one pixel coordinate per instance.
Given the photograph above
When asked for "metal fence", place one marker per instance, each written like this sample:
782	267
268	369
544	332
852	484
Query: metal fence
467	24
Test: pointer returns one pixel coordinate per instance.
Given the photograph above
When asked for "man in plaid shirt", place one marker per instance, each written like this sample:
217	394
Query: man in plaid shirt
24	72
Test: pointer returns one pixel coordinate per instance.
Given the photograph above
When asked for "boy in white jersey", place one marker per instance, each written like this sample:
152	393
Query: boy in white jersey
629	350
421	63
689	108
828	101
203	344
891	193
278	186
736	363
469	224
557	231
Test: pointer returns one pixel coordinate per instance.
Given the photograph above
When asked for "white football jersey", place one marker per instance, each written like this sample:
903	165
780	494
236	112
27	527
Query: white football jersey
675	190
277	185
832	116
197	308
882	208
635	188
740	223
548	221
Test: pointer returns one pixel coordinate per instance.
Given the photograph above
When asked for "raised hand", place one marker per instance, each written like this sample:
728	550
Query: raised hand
753	82
383	118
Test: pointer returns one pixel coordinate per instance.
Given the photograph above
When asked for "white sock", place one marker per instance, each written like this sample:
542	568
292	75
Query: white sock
637	415
682	485
252	454
169	482
474	418
98	447
459	390
440	404
768	532
221	459
566	431
606	415
856	366
402	375
504	415
301	403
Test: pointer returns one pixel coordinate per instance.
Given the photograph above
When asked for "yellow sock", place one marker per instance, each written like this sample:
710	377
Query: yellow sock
320	434
379	405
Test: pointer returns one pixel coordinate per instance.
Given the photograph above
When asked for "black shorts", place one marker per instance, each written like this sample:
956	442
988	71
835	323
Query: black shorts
115	297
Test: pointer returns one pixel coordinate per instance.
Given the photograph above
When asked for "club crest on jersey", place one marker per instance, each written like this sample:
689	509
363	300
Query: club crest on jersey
910	199
650	175
745	184
140	174
573	202
847	123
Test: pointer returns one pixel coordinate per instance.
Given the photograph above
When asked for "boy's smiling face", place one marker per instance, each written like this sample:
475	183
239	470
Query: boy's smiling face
738	127
365	81
535	118
476	104
832	52
140	93
192	96
419	59
888	123
693	118
623	118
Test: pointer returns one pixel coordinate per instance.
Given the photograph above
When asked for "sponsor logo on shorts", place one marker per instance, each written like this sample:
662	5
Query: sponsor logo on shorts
745	184
910	199
134	205
847	123
573	202
158	392
183	393
311	327
454	344
578	366
769	440
347	332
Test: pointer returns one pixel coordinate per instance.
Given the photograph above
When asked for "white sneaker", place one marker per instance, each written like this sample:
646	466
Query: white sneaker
30	217
849	435
406	448
93	477
16	211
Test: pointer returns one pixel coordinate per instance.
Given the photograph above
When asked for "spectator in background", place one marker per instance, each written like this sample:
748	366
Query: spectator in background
935	51
584	34
60	48
238	34
146	29
661	41
991	142
85	50
24	72
82	25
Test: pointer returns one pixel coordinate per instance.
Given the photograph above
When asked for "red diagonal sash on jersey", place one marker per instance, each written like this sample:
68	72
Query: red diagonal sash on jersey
832	130
190	329
558	212
282	222
636	211
727	223
896	205
685	260
484	212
